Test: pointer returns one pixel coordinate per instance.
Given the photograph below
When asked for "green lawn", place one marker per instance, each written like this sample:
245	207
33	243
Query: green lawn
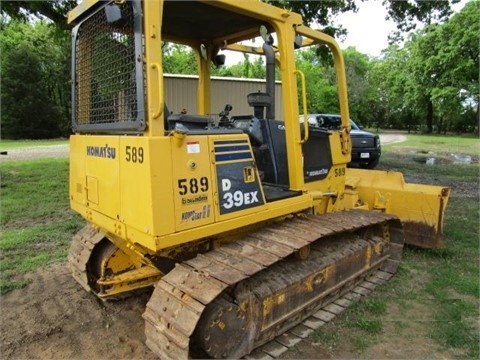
36	222
439	143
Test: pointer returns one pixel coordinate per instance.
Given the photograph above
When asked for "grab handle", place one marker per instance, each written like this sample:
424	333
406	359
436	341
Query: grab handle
304	100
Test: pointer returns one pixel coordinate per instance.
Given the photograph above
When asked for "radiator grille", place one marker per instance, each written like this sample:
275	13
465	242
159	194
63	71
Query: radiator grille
363	142
106	94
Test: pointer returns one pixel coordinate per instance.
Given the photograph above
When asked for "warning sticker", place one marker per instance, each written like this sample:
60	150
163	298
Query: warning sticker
193	147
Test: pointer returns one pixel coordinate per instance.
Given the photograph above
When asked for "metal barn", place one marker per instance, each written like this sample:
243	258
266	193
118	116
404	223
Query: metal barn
181	94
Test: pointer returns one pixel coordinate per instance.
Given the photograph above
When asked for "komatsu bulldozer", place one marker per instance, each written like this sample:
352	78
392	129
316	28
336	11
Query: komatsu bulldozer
244	224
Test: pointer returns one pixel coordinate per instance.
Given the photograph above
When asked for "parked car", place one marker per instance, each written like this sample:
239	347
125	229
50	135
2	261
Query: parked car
366	147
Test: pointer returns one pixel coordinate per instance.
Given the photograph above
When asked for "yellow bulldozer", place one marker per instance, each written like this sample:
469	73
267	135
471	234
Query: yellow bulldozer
245	225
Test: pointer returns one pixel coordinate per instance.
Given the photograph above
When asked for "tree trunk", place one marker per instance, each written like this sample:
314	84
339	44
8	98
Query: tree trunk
429	116
478	113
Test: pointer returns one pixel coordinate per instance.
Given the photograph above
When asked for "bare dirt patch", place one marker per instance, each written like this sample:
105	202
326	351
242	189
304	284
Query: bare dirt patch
54	318
392	138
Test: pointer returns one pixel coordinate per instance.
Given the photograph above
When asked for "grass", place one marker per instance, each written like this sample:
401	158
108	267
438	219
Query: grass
36	223
438	143
330	339
15	144
435	293
407	156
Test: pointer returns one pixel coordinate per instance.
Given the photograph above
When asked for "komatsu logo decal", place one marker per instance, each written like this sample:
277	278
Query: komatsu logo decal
106	151
317	172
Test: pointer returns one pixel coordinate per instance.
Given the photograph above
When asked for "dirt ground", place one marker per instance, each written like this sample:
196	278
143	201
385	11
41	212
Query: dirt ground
36	152
54	318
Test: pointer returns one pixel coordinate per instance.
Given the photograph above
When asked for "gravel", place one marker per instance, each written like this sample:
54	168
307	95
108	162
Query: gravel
36	152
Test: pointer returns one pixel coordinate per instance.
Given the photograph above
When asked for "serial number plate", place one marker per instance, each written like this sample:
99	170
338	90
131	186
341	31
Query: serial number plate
365	155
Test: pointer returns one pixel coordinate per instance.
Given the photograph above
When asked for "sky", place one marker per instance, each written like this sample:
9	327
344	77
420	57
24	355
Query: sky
367	29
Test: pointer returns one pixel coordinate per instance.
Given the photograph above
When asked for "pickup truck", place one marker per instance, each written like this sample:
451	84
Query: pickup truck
366	147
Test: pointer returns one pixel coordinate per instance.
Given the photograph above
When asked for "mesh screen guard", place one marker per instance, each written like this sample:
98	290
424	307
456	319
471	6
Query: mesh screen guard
108	74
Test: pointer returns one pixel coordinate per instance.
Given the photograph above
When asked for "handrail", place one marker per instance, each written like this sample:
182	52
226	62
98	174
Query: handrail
304	100
159	75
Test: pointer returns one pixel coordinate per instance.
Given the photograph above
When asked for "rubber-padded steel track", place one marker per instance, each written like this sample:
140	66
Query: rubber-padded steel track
181	296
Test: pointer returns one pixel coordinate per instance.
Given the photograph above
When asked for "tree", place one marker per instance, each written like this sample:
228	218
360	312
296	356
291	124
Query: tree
178	59
51	48
389	81
457	64
56	10
406	13
320	82
27	111
432	82
443	70
360	92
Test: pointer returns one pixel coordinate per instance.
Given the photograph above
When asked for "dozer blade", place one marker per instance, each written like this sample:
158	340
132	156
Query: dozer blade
420	207
231	300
